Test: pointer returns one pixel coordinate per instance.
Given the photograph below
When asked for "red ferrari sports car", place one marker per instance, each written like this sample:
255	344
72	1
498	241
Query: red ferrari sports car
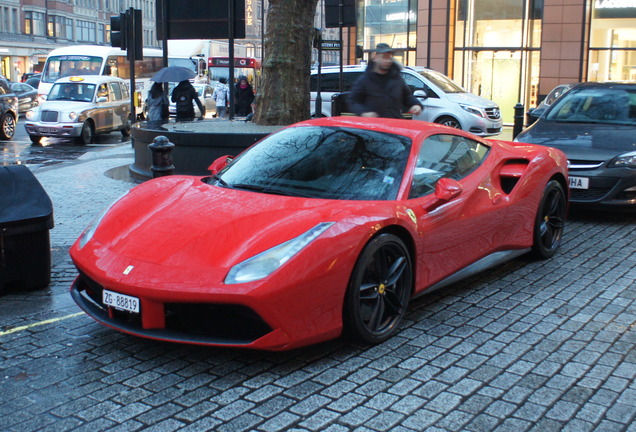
327	226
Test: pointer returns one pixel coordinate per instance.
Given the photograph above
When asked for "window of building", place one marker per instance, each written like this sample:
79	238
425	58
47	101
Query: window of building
101	33
86	31
497	50
613	41
391	22
34	23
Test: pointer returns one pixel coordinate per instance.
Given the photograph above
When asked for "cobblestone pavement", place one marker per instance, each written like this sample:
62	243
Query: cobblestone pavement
528	346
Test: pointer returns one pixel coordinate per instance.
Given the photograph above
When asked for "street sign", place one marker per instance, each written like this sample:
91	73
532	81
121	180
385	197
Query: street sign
331	45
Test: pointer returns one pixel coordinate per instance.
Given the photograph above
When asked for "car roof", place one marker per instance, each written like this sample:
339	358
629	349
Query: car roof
608	84
89	79
362	68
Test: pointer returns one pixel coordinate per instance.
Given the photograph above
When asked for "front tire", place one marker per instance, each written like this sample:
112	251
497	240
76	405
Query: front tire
87	134
35	139
7	127
125	131
379	290
449	121
550	220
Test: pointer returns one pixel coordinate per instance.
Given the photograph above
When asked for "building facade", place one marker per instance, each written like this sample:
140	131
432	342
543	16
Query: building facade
509	51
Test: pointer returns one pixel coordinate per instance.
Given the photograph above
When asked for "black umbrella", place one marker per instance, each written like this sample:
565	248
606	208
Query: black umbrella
173	74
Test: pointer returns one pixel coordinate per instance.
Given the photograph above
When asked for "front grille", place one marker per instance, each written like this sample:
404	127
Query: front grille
49	116
493	130
493	113
219	322
575	164
594	194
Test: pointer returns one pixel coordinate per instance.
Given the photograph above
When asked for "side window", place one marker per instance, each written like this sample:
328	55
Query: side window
115	91
102	91
449	156
3	89
417	84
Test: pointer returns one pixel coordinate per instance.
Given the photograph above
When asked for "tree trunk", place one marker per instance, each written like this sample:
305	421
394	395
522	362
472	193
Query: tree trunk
283	97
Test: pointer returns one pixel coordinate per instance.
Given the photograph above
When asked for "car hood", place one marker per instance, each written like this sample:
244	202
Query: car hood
184	222
64	106
582	141
471	99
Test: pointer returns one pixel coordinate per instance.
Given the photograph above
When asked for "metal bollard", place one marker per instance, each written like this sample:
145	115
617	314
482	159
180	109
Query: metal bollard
161	149
518	125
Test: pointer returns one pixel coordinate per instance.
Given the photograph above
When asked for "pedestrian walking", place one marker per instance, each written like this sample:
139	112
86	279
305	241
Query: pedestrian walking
183	95
244	97
381	91
158	105
221	97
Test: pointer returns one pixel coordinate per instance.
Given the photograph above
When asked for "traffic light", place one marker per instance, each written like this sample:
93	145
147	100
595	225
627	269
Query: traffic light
118	30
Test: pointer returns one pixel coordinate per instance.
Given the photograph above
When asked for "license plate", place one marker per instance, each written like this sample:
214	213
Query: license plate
579	183
120	301
47	130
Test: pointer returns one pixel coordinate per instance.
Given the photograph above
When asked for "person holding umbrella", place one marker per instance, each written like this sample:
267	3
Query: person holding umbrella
183	95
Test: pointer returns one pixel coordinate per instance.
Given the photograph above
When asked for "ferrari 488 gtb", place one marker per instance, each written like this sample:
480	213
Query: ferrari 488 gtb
327	226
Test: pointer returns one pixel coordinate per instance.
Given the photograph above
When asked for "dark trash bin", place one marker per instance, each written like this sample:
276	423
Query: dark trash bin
340	104
26	216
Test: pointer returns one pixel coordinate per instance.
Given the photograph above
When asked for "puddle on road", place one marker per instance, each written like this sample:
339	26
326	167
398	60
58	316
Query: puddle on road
122	173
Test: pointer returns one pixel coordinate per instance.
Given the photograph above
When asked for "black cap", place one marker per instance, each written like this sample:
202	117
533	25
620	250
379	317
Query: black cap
383	48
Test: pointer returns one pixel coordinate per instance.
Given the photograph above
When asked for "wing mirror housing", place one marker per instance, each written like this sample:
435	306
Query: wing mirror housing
420	94
220	163
445	190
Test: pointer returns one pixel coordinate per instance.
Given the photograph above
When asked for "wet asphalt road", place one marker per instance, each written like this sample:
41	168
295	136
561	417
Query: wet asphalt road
51	151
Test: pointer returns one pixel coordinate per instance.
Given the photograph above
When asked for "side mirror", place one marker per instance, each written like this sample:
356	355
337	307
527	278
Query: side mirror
421	94
446	189
220	163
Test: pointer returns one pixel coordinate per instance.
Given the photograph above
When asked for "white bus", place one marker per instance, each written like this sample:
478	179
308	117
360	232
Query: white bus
100	60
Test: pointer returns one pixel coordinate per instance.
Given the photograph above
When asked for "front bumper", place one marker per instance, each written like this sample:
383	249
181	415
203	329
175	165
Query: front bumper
483	126
60	130
608	187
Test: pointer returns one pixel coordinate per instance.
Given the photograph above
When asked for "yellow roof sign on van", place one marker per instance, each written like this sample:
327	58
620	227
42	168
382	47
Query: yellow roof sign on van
76	79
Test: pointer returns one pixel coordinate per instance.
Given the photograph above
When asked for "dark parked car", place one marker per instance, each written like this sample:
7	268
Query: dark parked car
595	125
8	110
27	96
34	81
555	93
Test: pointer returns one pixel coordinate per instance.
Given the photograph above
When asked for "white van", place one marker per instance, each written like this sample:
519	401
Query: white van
444	101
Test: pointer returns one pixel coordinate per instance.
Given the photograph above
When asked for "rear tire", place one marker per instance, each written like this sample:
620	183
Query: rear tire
7	127
125	131
87	134
550	220
379	290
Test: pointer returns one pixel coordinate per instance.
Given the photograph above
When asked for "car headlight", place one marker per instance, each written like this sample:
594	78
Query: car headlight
264	264
474	110
30	115
92	227
627	160
72	116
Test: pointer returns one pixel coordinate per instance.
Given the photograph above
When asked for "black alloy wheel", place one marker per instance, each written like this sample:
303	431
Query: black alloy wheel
125	131
379	290
550	221
7	128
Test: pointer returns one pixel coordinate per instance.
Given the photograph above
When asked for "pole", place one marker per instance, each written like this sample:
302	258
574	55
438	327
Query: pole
130	44
231	53
340	20
318	107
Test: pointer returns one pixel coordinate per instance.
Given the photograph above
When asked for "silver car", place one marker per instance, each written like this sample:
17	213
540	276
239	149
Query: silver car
79	107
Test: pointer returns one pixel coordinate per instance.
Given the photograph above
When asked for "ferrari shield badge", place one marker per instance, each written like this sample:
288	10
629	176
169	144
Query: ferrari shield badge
128	269
411	214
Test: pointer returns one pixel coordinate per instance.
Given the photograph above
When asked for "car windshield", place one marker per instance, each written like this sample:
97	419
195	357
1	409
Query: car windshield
71	92
605	105
322	162
442	81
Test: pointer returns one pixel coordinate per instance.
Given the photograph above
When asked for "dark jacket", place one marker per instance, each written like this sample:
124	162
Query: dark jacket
386	95
244	99
182	96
